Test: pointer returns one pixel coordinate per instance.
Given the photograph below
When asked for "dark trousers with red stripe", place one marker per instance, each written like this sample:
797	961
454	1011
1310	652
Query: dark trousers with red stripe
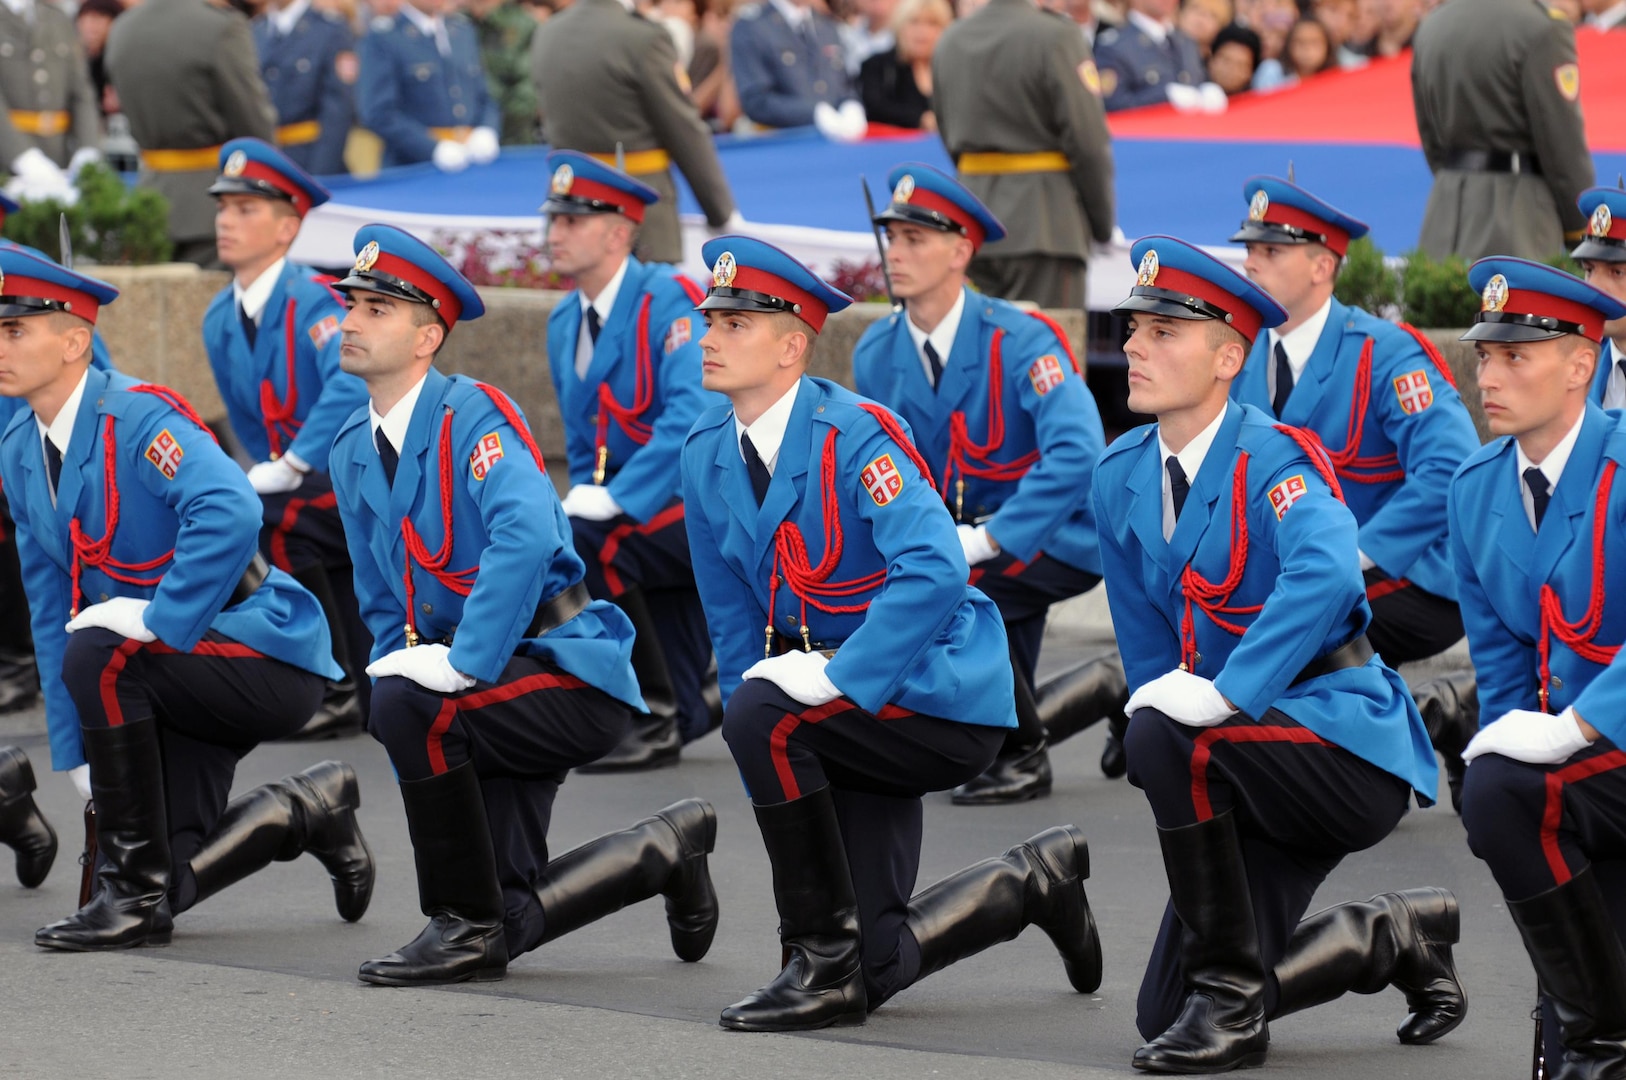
15	636
1409	623
877	766
653	556
212	706
302	531
1023	592
523	733
1301	805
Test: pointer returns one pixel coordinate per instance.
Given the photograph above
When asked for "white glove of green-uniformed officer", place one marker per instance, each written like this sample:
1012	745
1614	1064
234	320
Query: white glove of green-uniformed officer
1190	699
799	674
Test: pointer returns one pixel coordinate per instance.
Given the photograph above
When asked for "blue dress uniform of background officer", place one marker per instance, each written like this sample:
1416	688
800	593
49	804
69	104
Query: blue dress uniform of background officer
1536	545
169	647
1266	756
309	64
1002	416
1137	67
273	343
626	368
496	672
1382	401
422	89
1602	255
817	535
787	58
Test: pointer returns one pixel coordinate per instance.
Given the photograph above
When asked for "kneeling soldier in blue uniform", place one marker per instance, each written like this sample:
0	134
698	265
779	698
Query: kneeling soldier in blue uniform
1535	537
1382	400
1269	739
1602	256
625	363
273	341
1001	411
861	671
496	672
169	647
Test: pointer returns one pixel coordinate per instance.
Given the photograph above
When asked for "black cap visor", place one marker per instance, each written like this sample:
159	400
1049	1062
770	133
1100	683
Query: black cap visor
721	298
1269	232
905	214
243	185
17	307
387	285
569	204
1508	326
1176	305
1600	249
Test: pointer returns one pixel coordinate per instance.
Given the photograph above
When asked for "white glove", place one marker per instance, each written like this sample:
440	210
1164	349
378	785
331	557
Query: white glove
844	125
854	119
426	665
80	775
799	674
1528	736
274	477
85	155
590	502
1213	98
1185	98
450	156
481	146
1180	695
122	615
35	178
975	543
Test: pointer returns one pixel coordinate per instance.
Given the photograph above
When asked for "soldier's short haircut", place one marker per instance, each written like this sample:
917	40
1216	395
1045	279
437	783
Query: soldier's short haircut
1220	333
423	315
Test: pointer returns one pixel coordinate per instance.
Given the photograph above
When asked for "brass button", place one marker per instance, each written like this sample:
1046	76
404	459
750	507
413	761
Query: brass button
428	609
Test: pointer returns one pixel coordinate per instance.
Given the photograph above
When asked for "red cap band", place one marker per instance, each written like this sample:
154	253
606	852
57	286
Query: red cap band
930	200
414	274
1547	306
631	207
1244	318
1337	239
255	170
84	305
813	310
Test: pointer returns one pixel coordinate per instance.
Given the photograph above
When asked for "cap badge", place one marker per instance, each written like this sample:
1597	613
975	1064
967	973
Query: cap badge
2	281
723	271
366	257
1494	297
905	189
1148	268
236	162
1258	205
563	177
1602	220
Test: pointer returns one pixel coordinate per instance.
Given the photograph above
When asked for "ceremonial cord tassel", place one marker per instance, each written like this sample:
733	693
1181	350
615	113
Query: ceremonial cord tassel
279	412
969	458
1578	635
630	418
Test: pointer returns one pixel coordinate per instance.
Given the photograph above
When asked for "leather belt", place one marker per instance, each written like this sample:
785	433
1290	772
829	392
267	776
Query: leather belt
44	123
1493	161
300	133
554	613
204	157
994	162
258	570
1351	654
638	162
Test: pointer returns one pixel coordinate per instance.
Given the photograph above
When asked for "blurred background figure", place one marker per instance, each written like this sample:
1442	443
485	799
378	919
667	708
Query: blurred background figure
1339	18
711	86
50	116
504	29
1140	61
1605	14
1201	20
1235	59
1394	26
93	20
896	85
872	30
788	58
308	61
1309	50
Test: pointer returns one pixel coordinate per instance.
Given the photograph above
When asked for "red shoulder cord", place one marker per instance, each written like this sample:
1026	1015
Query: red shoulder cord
278	412
967	458
460	582
627	418
1578	635
811	584
1214	599
1379	468
98	554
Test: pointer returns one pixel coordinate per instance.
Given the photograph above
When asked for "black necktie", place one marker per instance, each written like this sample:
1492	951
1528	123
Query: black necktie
760	476
1284	380
937	365
53	464
1620	365
1179	486
592	323
386	454
1540	493
250	329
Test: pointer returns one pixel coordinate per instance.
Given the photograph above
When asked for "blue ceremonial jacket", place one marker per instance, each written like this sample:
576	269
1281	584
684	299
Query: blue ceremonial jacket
178	492
1301	566
1412	413
324	395
643	479
308	73
928	642
407	87
782	73
506	519
1606	364
1045	407
1135	70
1502	564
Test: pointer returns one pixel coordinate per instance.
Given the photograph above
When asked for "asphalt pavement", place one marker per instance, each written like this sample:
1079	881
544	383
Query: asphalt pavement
260	980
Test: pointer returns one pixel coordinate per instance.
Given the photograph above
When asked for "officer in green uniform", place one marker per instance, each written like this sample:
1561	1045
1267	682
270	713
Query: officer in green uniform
505	32
46	100
1504	139
1018	105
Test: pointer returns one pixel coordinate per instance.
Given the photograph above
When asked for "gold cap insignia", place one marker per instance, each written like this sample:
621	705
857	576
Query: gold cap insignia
1258	205
905	188
1148	268
723	270
1602	220
563	177
367	256
2	281
236	163
1494	298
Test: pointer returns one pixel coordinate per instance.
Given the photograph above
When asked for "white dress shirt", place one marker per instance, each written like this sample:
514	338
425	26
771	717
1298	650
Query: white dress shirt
396	422
941	336
430	26
60	429
603	303
1158	32
1614	391
252	299
1552	467
1299	342
768	432
1190	459
283	20
796	15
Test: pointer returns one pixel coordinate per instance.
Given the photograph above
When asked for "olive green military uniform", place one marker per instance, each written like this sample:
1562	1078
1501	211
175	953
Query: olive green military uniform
505	34
603	76
46	99
1018	107
1497	93
188	79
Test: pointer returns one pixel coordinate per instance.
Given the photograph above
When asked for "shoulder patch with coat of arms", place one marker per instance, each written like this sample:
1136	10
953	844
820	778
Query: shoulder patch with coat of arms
1414	391
1046	374
1568	78
1286	493
324	330
882	479
678	334
165	454
487	452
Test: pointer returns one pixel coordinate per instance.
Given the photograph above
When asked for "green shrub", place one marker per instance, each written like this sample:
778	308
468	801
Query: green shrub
111	223
1436	294
1366	281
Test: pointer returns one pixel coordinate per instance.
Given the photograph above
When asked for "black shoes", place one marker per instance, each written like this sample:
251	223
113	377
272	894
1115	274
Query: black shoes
22	827
1014	777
